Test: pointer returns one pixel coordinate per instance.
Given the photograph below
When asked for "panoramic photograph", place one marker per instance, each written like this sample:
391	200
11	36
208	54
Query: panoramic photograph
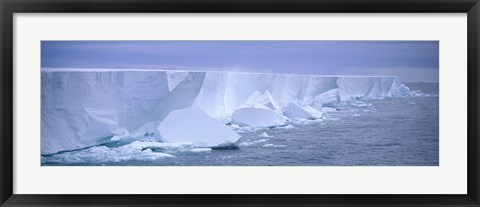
239	103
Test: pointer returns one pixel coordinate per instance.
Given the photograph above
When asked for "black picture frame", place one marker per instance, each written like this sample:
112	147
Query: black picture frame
9	7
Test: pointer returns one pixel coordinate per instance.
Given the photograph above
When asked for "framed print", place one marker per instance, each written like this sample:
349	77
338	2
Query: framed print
199	103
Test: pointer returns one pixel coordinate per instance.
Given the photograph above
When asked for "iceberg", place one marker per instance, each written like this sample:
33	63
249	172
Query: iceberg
264	134
193	125
319	85
327	99
239	86
82	108
402	90
298	110
258	116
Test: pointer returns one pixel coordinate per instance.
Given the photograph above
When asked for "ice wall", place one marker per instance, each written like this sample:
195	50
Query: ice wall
83	108
144	90
349	87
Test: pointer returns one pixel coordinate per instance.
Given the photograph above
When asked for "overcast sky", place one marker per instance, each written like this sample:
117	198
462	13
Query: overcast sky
412	60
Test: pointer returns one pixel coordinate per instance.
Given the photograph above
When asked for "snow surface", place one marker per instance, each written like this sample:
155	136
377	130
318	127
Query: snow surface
84	108
193	125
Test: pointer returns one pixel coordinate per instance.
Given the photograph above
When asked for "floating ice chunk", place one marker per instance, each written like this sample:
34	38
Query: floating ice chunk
201	150
401	90
264	134
249	143
141	145
360	104
274	146
246	128
305	121
257	116
326	99
328	109
240	86
122	134
356	115
297	110
419	93
195	126
141	151
288	127
318	85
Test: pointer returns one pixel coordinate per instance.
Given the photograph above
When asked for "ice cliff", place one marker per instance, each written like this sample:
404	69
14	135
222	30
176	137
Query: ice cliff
83	108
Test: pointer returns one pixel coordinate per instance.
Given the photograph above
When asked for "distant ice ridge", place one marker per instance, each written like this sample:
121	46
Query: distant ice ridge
84	108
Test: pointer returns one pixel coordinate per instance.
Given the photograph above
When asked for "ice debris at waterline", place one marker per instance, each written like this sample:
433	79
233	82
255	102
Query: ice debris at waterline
91	107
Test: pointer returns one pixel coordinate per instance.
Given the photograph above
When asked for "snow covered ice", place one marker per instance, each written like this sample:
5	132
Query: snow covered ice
85	108
257	116
299	110
402	90
193	125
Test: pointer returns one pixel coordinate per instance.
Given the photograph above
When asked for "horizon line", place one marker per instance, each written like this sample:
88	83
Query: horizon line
75	69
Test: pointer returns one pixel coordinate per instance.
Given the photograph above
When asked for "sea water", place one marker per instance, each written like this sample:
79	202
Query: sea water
361	132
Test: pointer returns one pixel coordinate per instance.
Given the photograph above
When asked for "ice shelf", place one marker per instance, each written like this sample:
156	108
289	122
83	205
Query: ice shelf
82	108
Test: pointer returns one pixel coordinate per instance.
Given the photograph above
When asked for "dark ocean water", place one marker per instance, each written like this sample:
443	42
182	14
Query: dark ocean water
365	132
